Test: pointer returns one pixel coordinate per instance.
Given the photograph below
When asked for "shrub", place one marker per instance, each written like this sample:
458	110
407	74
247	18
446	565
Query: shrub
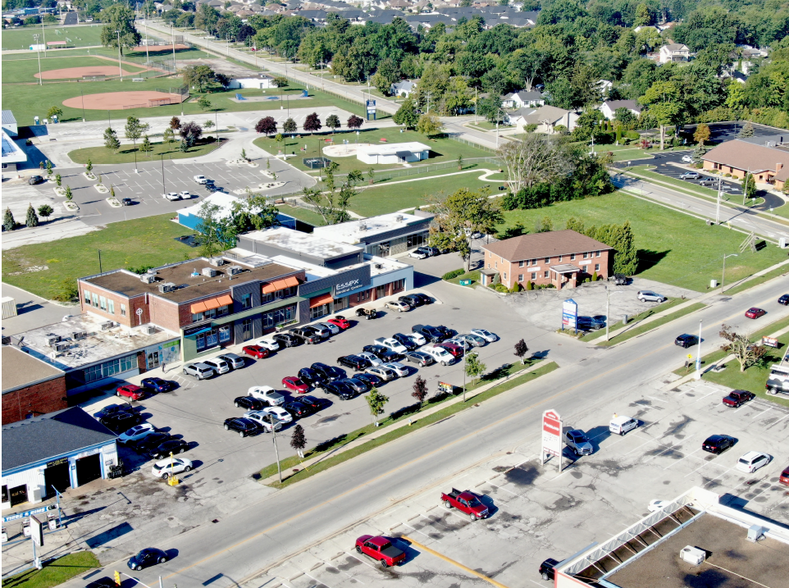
595	277
68	291
529	285
500	288
632	135
453	274
516	287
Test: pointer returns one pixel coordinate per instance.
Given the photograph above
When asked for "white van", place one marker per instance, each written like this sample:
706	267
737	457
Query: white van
440	354
622	424
219	365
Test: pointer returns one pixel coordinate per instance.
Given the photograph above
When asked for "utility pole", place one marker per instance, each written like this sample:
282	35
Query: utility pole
718	206
476	102
147	57
172	39
120	70
274	423
464	371
38	54
698	355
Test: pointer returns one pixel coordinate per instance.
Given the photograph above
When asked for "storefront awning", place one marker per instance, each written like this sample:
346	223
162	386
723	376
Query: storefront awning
211	303
320	300
289	282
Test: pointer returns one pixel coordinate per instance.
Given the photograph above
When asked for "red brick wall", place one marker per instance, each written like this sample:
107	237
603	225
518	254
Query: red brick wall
39	399
513	269
165	313
116	298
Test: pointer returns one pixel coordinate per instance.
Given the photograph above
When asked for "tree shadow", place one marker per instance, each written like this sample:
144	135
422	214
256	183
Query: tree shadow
648	259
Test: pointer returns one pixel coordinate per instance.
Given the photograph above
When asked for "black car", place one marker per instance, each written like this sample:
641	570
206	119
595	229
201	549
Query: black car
121	421
424	297
329	373
446	332
147	557
310	401
369	379
590	323
547	569
112	409
311	377
340	390
419	358
717	443
157	384
359	386
150	441
432	334
383	353
168	447
287	340
411	300
405	341
126	201
104	582
784	300
307	334
354	362
35	180
298	409
686	340
249	403
242	426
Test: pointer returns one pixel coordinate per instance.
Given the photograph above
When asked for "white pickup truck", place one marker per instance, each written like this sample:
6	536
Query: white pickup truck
392	344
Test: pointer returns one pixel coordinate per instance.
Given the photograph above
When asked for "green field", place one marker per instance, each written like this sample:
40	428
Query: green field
78	36
23	70
126	153
145	241
674	248
303	214
54	572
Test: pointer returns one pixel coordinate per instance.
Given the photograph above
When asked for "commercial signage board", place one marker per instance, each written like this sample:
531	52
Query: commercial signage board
569	314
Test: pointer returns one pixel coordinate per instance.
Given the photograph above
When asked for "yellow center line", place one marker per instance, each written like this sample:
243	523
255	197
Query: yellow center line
454	563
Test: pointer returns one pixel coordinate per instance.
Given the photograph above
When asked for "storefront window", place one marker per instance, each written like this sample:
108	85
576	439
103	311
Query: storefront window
246	328
211	339
380	292
340	304
110	368
281	315
398	286
224	334
319	311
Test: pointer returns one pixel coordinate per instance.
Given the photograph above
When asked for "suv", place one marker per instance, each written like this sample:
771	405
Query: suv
690	176
354	362
717	443
650	296
287	339
202	180
328	372
686	341
233	360
707	182
405	341
198	370
219	366
120	421
412	300
430	333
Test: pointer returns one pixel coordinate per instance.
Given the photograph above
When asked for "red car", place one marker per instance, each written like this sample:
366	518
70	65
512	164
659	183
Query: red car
339	321
784	479
294	384
130	391
256	351
754	312
737	397
380	548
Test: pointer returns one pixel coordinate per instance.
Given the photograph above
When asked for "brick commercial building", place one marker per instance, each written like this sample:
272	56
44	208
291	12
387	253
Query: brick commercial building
561	258
31	387
767	164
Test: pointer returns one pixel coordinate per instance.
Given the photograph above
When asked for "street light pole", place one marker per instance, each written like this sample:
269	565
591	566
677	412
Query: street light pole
164	190
120	70
172	40
723	274
274	423
38	54
698	355
464	371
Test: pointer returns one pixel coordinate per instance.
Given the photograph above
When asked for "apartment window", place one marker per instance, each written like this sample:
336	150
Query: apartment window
123	310
572	257
547	260
111	306
521	263
598	254
496	264
560	258
87	297
545	274
246	301
534	276
102	303
586	255
505	275
95	300
520	277
597	267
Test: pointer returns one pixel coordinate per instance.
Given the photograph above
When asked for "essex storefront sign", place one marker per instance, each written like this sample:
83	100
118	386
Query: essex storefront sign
345	288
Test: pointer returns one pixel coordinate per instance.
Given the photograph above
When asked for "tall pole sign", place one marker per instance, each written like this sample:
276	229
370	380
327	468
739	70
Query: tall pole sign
551	437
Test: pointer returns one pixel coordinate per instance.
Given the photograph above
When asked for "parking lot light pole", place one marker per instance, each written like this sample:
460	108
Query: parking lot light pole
274	423
464	372
120	70
723	274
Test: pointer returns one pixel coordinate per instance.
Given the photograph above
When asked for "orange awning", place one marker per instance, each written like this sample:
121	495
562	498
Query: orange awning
320	300
198	307
291	281
269	287
211	303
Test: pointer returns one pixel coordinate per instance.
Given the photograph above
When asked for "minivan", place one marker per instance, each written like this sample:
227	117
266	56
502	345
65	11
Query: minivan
218	365
233	360
620	425
440	354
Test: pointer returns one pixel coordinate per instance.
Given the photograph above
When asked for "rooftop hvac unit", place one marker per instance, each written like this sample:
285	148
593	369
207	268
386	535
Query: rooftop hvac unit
166	287
148	278
234	269
107	326
77	335
62	346
6	340
362	226
379	266
755	533
151	330
399	218
692	555
216	261
51	341
209	272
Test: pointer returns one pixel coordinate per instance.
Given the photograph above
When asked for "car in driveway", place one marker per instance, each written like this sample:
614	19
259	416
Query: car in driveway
386	374
339	321
690	176
419	358
650	296
173	446
296	385
135	433
249	403
130	391
419	253
685	340
242	425
170	467
35	180
266	394
198	370
485	334
755	312
752	461
397	306
310	376
157	384
354	362
147	557
737	398
172	196
717	443
784	300
256	351
287	339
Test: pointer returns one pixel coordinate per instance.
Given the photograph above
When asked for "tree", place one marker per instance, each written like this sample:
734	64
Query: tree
69	195
289	126
429	124
266	125
175	123
54	111
214	230
331	204
134	129
89	166
190	133
664	104
58	180
420	389
749	186
333	122
312	123
9	224
536	159
111	140
146	146
406	115
45	210
354	122
49	168
376	401
490	108
298	440
119	17
702	134
746	130
521	349
198	76
514	231
474	367
208	124
204	103
168	136
746	352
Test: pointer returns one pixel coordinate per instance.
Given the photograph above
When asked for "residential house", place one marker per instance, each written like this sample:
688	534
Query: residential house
547	119
559	258
402	89
523	98
767	164
674	52
609	107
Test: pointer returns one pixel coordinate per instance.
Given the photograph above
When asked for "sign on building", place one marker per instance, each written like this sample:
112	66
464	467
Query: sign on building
569	314
551	436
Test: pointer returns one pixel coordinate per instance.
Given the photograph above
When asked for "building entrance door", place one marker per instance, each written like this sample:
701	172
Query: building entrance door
88	469
153	360
18	495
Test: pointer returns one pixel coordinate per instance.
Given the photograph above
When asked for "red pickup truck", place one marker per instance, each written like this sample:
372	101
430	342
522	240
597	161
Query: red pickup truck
466	502
737	398
380	548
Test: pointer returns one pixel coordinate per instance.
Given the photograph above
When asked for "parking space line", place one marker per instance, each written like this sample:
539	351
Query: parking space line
347	574
455	563
503	488
316	579
658	399
417	530
763	413
362	561
640	446
779	420
708	394
681	459
706	463
718	476
668	448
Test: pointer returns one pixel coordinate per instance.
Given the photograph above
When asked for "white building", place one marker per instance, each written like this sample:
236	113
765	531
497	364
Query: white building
384	235
547	119
523	98
674	52
261	82
402	88
393	153
609	107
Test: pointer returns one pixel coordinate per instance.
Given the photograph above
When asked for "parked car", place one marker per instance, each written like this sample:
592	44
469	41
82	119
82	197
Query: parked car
717	443
170	446
398	368
311	377
120	421
234	361
737	398
170	467
578	442
392	344
650	296
130	391
35	180
439	354
354	362
474	340
219	366
784	477
446	332
411	300
147	557
380	351
359	384
294	384
380	549
419	358
686	340
329	373
368	313
185	194
201	179
755	312
386	374
307	334
591	323
266	394
687	159
455	350
242	425
298	410
369	379
784	300
311	402
112	409
460	342
269	344
428	333
287	340
150	441
405	341
279	413
135	433
341	391
172	196
487	335
328	328
397	306
417	338
433	251
157	384
656	504
126	201
752	461
198	370
264	420
690	176
707	181
466	502
249	403
419	253
256	351
371	357
547	571
339	321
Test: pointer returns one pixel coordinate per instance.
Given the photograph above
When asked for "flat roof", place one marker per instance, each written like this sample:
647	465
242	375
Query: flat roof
353	231
392	148
21	369
223	201
314	244
188	285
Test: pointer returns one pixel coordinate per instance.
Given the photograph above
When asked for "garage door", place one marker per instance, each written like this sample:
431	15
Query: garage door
56	476
88	469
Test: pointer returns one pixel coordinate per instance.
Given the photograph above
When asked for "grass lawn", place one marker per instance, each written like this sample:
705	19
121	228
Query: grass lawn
472	275
441	149
22	71
639	330
134	243
303	214
55	572
292	463
613	328
758	280
78	36
625	154
126	153
674	248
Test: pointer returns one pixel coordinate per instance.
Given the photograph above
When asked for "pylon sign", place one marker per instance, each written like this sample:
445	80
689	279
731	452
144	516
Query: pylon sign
551	436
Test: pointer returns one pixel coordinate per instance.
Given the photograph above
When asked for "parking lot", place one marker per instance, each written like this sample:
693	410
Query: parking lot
537	512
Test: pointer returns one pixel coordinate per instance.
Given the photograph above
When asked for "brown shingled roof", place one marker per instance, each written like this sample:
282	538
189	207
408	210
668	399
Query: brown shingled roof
548	244
747	156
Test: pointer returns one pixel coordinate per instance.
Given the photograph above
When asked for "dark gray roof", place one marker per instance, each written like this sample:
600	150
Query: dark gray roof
50	436
71	19
8	118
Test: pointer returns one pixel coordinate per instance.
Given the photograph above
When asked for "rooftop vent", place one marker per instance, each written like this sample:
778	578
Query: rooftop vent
234	269
106	326
362	226
151	329
692	555
209	272
166	287
148	278
755	533
77	335
52	340
399	218
216	261
62	346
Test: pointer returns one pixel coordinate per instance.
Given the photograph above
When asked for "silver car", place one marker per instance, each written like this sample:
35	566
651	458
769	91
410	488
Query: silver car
650	296
398	368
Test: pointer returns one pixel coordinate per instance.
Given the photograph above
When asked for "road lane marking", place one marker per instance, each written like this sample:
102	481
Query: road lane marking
455	563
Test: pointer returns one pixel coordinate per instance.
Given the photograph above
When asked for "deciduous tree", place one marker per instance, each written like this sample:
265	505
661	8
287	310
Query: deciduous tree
536	159
111	139
406	115
266	125
298	440
190	133
702	134
746	352
134	129
45	210
521	349
289	126
473	366
119	17
312	123
333	122
429	124
420	389
376	401
175	123
354	122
